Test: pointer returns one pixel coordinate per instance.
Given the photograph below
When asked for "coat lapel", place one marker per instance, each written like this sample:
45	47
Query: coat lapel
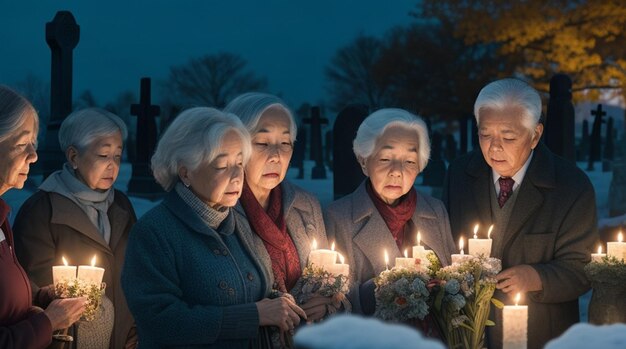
295	227
118	217
66	212
425	221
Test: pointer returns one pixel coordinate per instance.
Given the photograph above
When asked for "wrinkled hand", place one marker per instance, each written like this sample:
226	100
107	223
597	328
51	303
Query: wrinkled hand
281	312
520	278
64	312
319	306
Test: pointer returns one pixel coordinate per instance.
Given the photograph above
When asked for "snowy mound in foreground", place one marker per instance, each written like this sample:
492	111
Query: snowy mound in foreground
583	335
352	332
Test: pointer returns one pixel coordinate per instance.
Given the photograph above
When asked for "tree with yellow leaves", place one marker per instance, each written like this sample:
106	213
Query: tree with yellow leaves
585	39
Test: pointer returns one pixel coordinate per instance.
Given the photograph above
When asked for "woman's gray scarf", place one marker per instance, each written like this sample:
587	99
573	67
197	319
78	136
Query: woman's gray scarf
95	204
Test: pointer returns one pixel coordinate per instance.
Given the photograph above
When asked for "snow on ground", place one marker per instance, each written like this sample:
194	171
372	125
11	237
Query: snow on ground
583	336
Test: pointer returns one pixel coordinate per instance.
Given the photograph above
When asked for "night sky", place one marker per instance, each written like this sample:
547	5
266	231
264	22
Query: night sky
289	42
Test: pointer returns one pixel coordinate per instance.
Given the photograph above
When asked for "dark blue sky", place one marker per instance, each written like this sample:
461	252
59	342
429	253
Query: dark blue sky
289	42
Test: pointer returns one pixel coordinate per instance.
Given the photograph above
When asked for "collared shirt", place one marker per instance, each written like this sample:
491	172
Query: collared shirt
2	237
518	177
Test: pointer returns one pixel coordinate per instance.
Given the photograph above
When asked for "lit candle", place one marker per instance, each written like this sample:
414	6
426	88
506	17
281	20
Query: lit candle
478	246
386	260
597	257
63	273
91	275
514	325
460	257
340	268
322	258
419	251
617	249
406	262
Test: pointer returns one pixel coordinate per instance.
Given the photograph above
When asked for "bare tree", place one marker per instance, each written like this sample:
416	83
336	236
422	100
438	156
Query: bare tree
352	75
213	80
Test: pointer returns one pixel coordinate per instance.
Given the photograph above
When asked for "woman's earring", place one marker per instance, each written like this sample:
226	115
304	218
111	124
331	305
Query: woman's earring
186	184
74	166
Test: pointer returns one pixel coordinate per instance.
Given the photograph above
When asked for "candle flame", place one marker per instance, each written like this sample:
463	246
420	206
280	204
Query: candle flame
64	261
489	232
419	238
476	231
600	249
93	261
620	237
406	254
341	259
332	247
314	244
517	298
461	244
386	259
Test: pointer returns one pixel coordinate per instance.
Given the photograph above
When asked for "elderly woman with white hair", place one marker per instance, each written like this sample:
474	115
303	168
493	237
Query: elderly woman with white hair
192	276
386	212
77	214
283	215
22	324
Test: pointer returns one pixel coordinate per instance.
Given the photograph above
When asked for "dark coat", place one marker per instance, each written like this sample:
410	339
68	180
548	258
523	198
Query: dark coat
49	226
552	228
362	234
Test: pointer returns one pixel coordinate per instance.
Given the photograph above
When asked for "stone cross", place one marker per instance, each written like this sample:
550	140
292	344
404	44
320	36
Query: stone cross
319	171
62	36
559	133
142	182
595	147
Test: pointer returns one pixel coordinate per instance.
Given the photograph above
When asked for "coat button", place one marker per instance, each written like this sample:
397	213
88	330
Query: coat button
225	252
250	276
223	285
216	252
231	292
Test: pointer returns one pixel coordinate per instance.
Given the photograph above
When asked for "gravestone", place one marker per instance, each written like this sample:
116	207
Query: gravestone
584	142
142	182
317	154
328	149
595	145
62	36
435	172
299	150
347	173
450	147
608	147
559	130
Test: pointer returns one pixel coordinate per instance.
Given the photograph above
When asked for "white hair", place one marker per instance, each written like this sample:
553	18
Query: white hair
379	121
14	111
84	126
194	138
249	107
506	93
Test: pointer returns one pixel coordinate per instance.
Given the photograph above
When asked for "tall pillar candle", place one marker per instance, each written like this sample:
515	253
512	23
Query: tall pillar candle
63	273
460	257
321	258
617	249
419	251
90	274
478	246
514	325
406	262
340	268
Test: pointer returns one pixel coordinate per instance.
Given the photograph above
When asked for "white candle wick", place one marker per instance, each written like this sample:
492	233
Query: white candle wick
419	238
64	261
475	231
489	232
517	298
386	260
93	261
406	254
332	247
600	249
461	245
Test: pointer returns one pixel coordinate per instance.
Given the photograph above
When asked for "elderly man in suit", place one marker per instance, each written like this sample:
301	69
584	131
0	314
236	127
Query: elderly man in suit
542	206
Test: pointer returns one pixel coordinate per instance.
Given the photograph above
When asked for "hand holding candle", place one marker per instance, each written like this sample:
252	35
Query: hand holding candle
514	325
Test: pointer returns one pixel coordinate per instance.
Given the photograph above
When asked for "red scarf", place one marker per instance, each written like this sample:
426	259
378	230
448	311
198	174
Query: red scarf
397	216
270	226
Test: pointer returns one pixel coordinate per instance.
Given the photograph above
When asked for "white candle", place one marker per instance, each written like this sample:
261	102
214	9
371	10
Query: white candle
617	249
460	257
386	260
322	258
90	274
63	273
340	268
597	257
478	246
419	251
406	262
514	325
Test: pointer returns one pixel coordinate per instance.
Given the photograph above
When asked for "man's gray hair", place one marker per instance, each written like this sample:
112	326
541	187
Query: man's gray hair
378	122
14	110
82	127
506	93
194	138
249	107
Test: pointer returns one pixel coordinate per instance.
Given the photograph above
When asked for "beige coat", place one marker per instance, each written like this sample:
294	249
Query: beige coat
361	235
49	226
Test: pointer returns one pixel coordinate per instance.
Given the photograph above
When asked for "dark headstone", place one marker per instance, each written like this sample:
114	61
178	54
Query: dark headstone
595	146
62	36
559	128
435	172
328	148
347	173
299	150
608	147
584	142
317	154
142	182
450	147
